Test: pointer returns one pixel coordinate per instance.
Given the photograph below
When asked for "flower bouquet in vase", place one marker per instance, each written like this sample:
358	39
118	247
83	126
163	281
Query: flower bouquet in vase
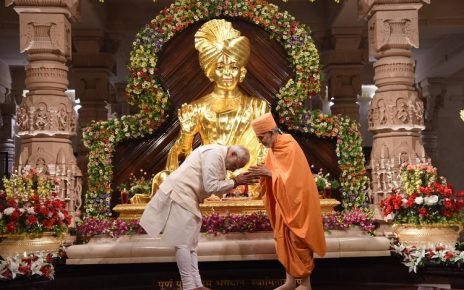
32	216
425	210
325	184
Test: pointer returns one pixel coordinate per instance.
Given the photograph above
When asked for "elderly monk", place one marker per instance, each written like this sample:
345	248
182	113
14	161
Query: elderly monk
292	202
174	216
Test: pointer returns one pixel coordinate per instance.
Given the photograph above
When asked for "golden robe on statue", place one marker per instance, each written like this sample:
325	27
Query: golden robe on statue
292	202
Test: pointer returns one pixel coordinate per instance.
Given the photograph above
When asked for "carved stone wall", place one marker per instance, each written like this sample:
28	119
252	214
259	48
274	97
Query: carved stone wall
395	115
45	119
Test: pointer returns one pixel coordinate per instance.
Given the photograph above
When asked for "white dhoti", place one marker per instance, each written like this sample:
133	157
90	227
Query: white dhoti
176	227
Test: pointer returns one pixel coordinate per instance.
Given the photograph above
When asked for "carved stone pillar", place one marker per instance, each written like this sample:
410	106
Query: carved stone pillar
342	68
7	144
7	121
396	113
91	72
432	93
45	120
92	69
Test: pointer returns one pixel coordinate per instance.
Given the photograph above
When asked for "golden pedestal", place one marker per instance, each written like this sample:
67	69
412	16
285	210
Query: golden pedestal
243	206
19	244
427	236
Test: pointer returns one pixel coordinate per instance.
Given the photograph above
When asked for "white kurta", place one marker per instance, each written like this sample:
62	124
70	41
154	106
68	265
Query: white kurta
173	214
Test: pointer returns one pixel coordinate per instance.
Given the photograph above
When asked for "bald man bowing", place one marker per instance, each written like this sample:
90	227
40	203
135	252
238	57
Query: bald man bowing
291	200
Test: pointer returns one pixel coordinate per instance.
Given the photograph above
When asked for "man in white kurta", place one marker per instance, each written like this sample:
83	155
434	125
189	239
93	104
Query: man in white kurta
173	214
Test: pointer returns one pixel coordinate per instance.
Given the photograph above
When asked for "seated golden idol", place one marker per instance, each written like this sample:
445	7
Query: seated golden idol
224	115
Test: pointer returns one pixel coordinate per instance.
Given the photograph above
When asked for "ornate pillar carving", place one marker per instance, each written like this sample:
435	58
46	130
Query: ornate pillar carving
343	65
45	119
395	115
432	93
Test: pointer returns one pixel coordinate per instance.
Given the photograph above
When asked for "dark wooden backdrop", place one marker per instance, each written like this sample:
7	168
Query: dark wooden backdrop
268	70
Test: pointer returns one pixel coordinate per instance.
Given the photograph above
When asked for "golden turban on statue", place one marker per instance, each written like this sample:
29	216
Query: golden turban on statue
218	37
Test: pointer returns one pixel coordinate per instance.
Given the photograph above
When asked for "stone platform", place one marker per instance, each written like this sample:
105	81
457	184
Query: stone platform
229	247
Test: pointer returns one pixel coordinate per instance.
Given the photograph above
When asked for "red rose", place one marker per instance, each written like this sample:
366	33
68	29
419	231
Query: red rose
388	210
11	227
449	255
43	210
7	274
31	219
56	203
410	201
15	215
447	213
11	202
45	271
47	224
448	203
423	212
35	198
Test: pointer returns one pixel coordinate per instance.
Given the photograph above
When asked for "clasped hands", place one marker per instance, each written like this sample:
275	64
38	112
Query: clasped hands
252	175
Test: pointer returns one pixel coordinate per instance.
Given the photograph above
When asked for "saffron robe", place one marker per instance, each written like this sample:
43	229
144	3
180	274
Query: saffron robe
292	203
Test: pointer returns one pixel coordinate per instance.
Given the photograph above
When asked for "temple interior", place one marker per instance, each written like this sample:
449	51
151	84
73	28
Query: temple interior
394	66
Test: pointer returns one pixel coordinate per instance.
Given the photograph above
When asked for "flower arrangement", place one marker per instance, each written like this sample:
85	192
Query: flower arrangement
415	258
138	184
114	228
423	198
29	205
344	220
324	183
227	223
218	223
30	265
144	89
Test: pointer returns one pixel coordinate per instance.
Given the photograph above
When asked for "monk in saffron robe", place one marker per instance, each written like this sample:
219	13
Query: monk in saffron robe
292	202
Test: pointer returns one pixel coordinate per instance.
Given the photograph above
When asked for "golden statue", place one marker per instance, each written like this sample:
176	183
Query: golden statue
224	115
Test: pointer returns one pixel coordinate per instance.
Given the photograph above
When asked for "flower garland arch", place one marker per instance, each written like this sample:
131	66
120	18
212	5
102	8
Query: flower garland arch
144	89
